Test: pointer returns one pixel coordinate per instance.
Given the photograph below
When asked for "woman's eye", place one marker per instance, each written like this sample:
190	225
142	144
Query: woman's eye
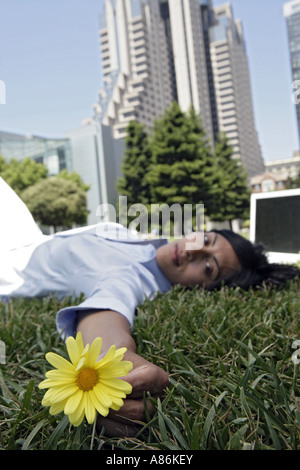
206	240
208	268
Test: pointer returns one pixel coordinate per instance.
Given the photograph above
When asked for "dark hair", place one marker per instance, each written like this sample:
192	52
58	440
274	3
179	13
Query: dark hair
255	268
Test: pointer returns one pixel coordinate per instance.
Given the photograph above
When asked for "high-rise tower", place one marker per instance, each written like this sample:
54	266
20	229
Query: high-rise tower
136	64
291	12
157	51
190	59
232	87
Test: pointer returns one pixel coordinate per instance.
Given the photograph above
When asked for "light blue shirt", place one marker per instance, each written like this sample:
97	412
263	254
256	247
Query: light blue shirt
113	274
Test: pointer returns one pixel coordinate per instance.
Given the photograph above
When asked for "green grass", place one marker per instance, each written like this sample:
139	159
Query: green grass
233	383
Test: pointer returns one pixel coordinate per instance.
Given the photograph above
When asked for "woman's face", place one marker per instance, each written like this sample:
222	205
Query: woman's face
189	263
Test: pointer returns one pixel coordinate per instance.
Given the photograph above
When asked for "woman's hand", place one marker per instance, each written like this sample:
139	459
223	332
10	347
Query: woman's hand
144	377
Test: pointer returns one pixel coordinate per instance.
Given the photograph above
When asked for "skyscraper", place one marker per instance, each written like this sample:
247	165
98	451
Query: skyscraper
291	12
190	59
157	51
233	96
136	64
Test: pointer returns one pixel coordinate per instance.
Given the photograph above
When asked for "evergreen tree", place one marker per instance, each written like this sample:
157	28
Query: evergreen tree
136	162
134	184
182	161
234	191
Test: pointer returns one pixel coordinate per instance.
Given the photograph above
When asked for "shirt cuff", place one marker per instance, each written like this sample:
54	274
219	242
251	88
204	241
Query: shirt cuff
66	318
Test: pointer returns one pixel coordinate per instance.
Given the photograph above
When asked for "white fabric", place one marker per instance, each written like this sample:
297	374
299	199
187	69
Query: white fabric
17	227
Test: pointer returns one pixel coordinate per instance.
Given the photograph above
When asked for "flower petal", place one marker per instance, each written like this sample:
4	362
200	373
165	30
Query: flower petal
113	362
103	410
102	396
48	383
45	384
109	356
73	402
117	384
78	415
119	370
73	350
59	374
81	363
112	392
59	362
59	378
56	394
89	409
79	342
94	351
57	408
117	404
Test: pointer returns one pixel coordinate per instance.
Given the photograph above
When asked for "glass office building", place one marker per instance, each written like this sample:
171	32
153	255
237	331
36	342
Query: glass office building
90	150
54	153
97	157
292	14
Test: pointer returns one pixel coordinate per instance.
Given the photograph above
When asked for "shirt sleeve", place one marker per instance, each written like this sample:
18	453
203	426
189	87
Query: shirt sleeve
121	295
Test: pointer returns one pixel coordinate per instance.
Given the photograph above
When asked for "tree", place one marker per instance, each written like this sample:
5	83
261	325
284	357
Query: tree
136	162
182	161
19	175
293	183
134	184
75	177
56	202
2	164
232	180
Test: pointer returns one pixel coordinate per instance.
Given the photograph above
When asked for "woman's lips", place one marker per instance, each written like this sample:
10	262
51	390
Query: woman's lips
176	255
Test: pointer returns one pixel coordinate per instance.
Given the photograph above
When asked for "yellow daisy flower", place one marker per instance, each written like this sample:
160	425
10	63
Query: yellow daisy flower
86	386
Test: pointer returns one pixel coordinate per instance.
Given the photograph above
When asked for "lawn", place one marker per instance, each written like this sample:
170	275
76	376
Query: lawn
228	353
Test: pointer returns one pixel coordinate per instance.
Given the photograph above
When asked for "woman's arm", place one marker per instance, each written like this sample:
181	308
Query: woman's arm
114	328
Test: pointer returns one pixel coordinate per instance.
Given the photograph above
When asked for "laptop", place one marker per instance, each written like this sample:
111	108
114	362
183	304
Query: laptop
275	222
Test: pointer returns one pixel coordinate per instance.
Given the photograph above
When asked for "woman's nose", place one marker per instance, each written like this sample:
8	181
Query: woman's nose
194	241
191	255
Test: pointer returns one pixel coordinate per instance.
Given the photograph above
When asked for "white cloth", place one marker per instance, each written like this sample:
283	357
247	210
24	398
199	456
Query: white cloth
17	227
113	269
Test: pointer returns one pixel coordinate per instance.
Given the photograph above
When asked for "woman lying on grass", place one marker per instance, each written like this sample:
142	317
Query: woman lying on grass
116	275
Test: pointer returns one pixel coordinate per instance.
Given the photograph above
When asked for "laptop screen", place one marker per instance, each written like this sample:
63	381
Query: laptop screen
275	221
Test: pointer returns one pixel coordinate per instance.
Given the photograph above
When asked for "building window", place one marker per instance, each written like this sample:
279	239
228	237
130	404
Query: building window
122	130
129	114
268	185
62	163
39	159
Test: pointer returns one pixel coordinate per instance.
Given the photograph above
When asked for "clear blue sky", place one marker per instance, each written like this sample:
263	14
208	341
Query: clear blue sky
50	62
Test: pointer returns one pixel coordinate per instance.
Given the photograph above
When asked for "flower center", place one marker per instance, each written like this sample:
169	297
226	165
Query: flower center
87	379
